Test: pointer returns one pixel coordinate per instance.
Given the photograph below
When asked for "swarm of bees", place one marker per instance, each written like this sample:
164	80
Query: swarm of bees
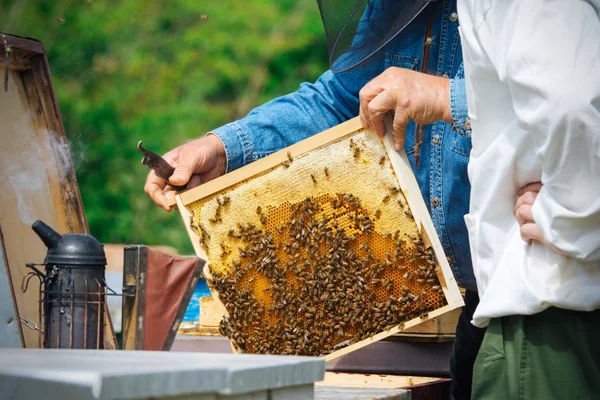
316	275
310	286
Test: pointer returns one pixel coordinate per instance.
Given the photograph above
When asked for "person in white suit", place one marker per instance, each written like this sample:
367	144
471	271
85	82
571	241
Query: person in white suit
533	91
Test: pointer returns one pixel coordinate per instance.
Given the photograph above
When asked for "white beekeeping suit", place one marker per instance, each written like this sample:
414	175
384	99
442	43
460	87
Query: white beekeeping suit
533	87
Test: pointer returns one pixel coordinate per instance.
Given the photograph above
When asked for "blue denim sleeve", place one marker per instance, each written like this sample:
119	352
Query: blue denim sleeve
458	103
313	108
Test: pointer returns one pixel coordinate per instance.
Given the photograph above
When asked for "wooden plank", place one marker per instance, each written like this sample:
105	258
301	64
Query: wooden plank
385	334
209	313
49	128
257	167
27	45
22	50
130	303
442	325
208	324
39	181
344	393
409	187
30	190
341	379
407	180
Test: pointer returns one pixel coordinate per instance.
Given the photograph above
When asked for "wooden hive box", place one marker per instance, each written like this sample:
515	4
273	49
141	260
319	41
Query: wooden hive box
38	178
321	248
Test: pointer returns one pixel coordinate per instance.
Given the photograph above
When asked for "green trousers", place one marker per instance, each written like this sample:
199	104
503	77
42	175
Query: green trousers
551	355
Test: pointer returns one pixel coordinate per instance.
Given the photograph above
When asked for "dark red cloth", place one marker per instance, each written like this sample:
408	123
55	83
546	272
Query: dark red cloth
168	278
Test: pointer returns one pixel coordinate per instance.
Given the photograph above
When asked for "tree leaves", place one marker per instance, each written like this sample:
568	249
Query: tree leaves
164	72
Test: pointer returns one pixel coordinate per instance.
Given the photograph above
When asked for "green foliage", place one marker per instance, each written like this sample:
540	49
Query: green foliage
163	71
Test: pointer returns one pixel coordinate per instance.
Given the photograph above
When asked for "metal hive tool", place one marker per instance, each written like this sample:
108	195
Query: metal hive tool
320	249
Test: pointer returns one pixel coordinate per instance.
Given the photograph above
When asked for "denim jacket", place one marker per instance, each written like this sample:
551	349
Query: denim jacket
333	99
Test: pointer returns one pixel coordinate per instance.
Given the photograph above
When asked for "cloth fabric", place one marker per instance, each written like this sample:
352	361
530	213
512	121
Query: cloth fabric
333	99
533	92
345	20
554	354
464	351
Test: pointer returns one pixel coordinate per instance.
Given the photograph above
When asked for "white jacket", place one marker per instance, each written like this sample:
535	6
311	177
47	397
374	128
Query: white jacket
533	89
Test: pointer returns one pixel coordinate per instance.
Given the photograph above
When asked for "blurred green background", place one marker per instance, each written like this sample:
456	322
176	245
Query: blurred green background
162	71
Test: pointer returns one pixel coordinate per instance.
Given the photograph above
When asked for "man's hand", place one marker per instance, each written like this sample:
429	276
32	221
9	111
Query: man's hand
411	95
195	162
529	229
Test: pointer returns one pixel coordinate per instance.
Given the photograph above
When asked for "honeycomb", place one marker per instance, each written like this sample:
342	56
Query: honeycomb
317	253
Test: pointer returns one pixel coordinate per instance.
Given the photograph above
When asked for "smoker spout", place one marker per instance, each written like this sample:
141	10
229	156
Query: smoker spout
48	235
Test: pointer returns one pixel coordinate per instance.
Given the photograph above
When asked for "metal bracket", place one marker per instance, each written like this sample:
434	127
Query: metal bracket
30	324
7	51
129	290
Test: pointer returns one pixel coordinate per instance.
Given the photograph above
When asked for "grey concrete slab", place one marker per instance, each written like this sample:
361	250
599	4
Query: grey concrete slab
203	344
293	393
103	374
345	393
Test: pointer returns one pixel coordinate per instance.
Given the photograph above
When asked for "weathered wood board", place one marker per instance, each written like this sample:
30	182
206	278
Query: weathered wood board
38	178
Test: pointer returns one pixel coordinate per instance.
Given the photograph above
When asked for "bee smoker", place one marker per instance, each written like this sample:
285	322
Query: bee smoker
72	289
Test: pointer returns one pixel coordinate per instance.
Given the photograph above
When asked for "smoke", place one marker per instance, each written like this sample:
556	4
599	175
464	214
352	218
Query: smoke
28	172
25	174
77	150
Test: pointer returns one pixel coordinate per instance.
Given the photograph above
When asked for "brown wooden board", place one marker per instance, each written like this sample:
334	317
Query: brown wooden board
267	179
38	178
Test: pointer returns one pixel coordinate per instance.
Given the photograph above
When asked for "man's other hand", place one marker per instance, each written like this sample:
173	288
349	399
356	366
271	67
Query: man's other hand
411	95
529	229
195	162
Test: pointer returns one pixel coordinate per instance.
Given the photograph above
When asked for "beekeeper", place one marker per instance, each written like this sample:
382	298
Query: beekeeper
399	56
533	87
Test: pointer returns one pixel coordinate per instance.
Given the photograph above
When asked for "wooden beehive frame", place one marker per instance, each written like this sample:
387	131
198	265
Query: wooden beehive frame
407	182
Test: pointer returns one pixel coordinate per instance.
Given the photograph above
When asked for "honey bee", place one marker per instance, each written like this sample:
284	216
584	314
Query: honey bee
378	214
263	219
312	176
382	160
286	164
289	156
356	152
408	213
259	210
386	198
326	170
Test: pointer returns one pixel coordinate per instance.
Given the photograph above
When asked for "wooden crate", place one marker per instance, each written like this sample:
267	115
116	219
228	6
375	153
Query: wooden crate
345	159
38	178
